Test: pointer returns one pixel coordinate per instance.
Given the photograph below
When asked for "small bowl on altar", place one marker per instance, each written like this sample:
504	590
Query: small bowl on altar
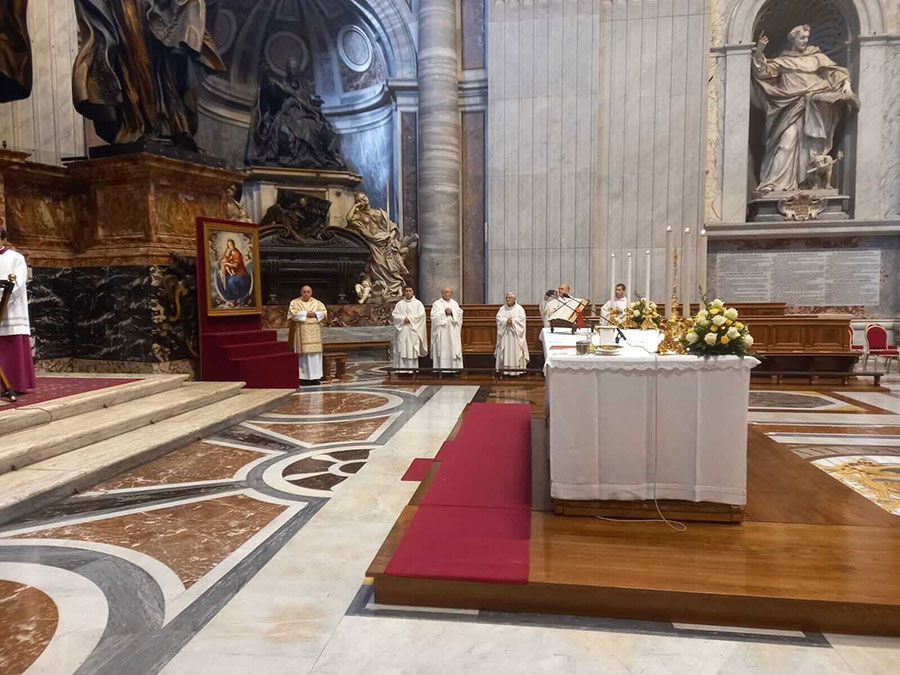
609	350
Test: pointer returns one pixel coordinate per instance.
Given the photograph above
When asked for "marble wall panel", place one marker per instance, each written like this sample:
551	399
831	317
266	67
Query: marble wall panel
46	124
111	315
624	100
50	295
473	155
890	133
889	295
367	150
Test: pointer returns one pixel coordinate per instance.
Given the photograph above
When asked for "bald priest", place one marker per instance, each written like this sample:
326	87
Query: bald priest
306	315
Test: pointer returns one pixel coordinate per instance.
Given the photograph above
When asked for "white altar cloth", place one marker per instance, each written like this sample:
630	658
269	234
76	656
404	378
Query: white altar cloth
636	426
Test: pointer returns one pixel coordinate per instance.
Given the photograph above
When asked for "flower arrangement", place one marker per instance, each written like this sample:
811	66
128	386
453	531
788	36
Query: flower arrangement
635	314
717	331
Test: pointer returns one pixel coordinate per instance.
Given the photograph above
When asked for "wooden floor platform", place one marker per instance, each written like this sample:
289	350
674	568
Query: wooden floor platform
810	555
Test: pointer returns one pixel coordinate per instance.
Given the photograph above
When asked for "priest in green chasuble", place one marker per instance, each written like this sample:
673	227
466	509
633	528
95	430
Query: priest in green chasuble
307	314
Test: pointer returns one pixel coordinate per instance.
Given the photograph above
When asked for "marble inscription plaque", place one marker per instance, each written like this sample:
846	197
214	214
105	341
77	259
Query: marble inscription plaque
800	277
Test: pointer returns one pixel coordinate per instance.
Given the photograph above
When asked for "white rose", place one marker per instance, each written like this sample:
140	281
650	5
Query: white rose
733	333
718	319
710	339
691	337
652	305
731	313
636	314
703	323
717	303
702	314
748	340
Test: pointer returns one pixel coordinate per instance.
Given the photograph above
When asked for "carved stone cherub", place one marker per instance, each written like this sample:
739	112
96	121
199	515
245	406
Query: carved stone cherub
819	171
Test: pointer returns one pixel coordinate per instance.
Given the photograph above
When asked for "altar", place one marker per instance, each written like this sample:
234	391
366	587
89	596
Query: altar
638	426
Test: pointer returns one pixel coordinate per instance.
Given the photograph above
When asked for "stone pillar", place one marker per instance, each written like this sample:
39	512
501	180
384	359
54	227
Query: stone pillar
439	150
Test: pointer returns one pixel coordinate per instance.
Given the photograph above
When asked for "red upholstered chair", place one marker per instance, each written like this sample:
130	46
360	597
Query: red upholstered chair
877	345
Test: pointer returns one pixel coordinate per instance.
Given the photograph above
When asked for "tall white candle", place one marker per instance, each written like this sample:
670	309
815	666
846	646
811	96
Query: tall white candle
667	274
647	273
630	275
687	266
612	277
701	260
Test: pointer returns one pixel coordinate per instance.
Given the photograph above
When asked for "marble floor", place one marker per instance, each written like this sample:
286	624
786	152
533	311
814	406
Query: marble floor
246	552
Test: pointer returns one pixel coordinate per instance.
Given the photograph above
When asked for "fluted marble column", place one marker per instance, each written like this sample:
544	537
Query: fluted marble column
439	151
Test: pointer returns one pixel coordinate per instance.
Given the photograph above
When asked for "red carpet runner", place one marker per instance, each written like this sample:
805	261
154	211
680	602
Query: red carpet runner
474	523
50	388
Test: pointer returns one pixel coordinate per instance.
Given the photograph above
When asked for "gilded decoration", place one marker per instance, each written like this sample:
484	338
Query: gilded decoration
802	207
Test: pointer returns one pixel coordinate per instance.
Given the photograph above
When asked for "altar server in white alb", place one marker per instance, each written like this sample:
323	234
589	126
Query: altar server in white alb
15	329
307	313
446	332
620	302
410	340
512	347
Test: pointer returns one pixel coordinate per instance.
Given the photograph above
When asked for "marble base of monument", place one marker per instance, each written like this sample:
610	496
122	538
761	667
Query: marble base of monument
159	148
98	236
263	183
799	205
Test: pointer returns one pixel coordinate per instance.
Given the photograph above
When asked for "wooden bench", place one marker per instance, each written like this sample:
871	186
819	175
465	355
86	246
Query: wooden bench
339	359
813	378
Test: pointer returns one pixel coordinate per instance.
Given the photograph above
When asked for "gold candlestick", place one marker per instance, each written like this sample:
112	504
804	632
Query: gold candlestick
673	326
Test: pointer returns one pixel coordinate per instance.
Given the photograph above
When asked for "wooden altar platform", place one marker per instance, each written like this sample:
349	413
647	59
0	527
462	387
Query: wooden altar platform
811	555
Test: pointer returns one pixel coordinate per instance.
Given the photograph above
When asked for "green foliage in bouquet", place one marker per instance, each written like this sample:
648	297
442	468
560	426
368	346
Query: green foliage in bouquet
716	331
635	312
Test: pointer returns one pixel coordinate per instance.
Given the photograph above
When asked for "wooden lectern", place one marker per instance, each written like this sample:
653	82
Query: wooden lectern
6	288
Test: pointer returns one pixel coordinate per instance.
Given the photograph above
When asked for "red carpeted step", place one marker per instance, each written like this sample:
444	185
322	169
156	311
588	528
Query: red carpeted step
269	371
465	544
417	470
237	337
254	349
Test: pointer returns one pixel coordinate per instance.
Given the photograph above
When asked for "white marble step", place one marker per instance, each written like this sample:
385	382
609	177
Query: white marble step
16	419
51	480
18	450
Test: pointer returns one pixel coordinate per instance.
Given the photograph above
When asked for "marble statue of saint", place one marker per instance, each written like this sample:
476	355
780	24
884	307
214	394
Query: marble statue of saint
139	64
288	127
387	267
15	52
803	93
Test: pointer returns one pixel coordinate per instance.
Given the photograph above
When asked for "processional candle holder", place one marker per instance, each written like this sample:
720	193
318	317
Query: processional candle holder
674	326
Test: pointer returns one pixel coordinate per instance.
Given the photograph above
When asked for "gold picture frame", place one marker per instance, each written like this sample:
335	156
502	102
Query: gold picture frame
231	268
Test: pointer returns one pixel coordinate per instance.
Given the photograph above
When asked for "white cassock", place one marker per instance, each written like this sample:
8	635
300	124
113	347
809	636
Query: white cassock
620	303
512	347
446	334
410	340
16	320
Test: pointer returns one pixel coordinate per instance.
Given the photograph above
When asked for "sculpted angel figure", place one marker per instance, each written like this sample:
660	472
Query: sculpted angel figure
803	93
387	267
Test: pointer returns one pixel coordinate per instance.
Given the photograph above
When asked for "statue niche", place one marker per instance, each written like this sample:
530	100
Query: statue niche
140	61
804	95
15	52
288	126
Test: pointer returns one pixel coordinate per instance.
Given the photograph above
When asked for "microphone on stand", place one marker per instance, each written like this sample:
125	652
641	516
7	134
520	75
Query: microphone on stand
619	334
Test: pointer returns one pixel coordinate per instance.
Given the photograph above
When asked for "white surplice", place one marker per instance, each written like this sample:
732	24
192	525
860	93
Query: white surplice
619	303
512	347
446	334
16	320
410	338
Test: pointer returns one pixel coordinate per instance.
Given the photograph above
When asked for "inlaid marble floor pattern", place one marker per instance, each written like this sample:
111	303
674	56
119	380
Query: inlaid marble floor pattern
246	552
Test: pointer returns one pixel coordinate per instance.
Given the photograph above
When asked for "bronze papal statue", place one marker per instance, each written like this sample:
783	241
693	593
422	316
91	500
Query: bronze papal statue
288	127
139	65
15	51
804	95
